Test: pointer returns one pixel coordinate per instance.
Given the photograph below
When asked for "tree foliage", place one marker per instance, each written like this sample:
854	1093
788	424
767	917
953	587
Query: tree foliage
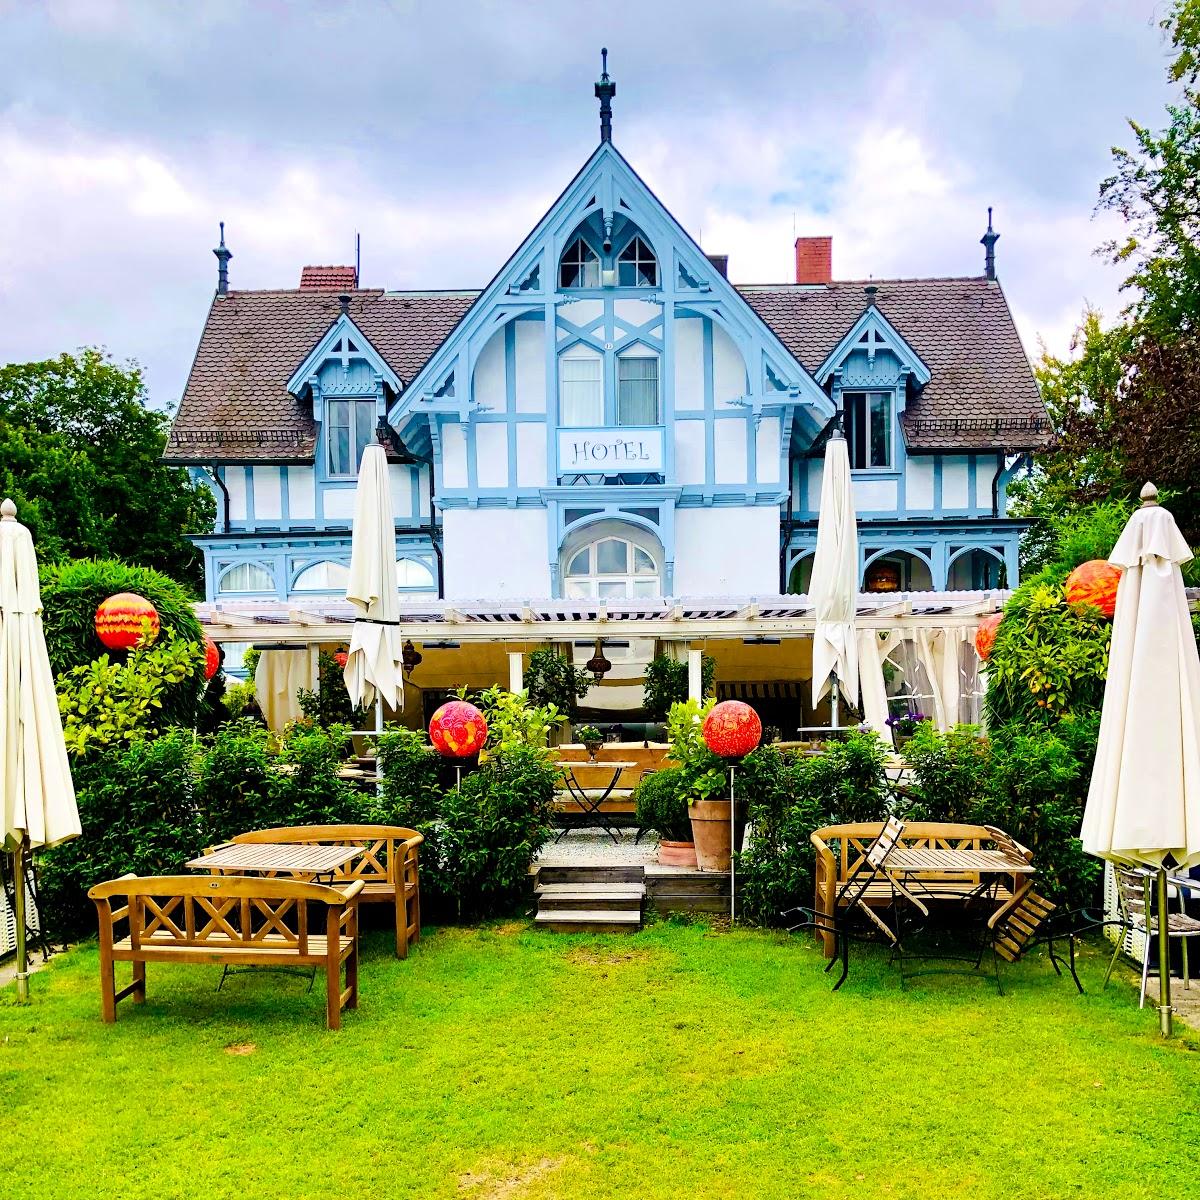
81	454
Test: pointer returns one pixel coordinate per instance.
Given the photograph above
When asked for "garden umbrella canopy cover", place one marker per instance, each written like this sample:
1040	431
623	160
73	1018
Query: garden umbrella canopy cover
834	587
36	791
1144	799
374	664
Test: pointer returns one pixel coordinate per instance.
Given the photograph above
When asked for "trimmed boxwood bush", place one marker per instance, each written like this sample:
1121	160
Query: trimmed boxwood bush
661	804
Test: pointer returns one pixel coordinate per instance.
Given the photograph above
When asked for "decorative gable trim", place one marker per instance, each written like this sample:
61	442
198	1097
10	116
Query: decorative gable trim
880	334
340	335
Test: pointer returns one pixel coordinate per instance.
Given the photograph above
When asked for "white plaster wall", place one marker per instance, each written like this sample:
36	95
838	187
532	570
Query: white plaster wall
689	452
727	551
454	456
531	366
635	312
496	552
985	472
767	450
689	363
531	454
874	495
730	450
268	494
815	468
491	454
301	494
954	481
400	478
489	374
918	484
729	372
235	481
338	503
580	312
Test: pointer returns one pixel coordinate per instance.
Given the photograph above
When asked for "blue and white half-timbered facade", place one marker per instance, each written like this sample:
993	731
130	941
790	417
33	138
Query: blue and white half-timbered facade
610	418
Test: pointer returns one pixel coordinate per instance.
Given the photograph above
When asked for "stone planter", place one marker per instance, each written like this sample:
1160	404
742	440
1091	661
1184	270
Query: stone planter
711	833
677	854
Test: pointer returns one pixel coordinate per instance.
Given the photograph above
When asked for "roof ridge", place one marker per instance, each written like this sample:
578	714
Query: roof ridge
818	287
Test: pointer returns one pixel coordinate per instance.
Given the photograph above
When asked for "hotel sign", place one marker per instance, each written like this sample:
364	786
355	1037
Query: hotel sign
610	451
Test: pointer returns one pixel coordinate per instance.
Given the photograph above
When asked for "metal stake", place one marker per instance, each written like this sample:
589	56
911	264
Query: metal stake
732	839
22	950
1164	957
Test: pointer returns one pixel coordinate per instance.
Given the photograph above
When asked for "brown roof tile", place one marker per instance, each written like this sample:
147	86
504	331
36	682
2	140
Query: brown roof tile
337	279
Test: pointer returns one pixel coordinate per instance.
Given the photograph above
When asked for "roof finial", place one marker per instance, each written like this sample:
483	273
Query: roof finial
605	91
224	254
988	242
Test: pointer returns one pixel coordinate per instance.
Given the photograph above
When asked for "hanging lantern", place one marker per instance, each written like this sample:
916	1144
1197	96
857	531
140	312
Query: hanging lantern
985	635
122	621
1094	583
341	657
732	729
212	657
410	657
458	730
598	665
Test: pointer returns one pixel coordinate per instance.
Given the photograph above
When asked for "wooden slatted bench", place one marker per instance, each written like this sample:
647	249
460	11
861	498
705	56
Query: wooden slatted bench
387	866
235	920
841	851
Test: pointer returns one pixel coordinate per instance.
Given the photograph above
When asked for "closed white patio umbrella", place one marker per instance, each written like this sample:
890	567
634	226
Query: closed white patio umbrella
37	796
834	586
1143	805
374	667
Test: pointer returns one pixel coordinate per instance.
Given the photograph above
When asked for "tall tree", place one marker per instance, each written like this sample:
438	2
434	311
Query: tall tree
81	453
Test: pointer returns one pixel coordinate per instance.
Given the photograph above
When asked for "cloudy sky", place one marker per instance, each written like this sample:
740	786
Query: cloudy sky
441	131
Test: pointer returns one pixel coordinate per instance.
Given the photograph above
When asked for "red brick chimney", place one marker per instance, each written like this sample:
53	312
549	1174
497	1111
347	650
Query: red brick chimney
814	260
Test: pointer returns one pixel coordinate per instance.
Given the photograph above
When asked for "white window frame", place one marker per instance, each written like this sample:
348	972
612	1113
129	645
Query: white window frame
234	570
851	428
640	354
354	406
581	585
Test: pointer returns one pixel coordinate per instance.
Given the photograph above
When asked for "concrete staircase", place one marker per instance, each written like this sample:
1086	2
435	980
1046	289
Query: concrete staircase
599	899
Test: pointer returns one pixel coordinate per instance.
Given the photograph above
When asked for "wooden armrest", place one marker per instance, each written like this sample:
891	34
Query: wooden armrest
350	891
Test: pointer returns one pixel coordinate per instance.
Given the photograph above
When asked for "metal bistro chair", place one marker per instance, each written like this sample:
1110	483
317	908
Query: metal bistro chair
1135	895
851	904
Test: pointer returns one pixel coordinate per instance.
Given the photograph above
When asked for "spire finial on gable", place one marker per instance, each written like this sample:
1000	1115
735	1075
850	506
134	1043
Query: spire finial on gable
988	242
605	91
224	254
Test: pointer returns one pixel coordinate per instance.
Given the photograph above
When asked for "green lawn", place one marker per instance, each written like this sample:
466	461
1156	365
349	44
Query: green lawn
680	1062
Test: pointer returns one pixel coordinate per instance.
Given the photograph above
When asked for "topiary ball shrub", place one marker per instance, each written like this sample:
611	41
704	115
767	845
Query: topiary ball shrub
661	804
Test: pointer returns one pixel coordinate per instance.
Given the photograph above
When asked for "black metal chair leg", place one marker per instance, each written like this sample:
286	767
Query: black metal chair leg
845	963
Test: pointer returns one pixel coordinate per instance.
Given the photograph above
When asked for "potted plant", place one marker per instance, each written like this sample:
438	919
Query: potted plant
904	725
591	740
705	784
661	806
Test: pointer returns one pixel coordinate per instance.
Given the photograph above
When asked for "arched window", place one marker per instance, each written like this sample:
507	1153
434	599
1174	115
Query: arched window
579	266
977	570
412	573
637	266
247	577
611	568
322	577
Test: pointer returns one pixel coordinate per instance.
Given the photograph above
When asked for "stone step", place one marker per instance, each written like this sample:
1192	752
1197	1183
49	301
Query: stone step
593	896
589	920
551	874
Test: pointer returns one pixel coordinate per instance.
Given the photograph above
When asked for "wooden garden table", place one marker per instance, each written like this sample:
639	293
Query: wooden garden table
307	862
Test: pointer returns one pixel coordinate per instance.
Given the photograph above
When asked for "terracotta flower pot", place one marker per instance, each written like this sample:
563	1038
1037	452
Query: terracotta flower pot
711	833
677	854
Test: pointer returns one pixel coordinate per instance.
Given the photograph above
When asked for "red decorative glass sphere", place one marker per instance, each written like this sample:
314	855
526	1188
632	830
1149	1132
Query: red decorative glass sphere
458	730
212	657
985	635
1094	582
341	657
732	729
121	621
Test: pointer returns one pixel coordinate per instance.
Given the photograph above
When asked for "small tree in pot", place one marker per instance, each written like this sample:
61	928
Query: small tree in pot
662	807
552	679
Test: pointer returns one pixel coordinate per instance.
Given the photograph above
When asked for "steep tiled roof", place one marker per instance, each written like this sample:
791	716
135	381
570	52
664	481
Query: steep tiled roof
337	279
982	394
236	405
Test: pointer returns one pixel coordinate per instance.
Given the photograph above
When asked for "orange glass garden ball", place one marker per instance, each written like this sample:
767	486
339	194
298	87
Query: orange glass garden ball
212	657
732	729
341	657
985	635
458	730
1094	582
121	620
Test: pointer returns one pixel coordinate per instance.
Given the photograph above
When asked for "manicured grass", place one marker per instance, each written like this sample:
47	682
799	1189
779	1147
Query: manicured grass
680	1062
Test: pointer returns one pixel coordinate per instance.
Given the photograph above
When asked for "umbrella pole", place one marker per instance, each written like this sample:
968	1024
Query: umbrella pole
22	949
834	703
1164	957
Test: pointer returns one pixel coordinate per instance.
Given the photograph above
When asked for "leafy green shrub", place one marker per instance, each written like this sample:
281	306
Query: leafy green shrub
328	703
311	791
516	720
661	805
950	773
71	592
666	683
409	789
138	812
703	773
551	680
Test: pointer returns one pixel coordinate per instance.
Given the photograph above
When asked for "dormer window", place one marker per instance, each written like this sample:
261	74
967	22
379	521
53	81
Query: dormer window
579	266
350	429
869	429
637	266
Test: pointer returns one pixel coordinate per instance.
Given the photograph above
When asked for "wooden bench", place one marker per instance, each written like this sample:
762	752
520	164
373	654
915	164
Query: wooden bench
236	920
841	851
387	866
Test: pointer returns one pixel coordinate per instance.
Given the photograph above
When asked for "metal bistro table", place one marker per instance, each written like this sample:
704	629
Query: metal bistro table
591	800
944	874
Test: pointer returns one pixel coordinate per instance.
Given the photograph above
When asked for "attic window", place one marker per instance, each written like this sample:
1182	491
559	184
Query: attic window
579	266
637	266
